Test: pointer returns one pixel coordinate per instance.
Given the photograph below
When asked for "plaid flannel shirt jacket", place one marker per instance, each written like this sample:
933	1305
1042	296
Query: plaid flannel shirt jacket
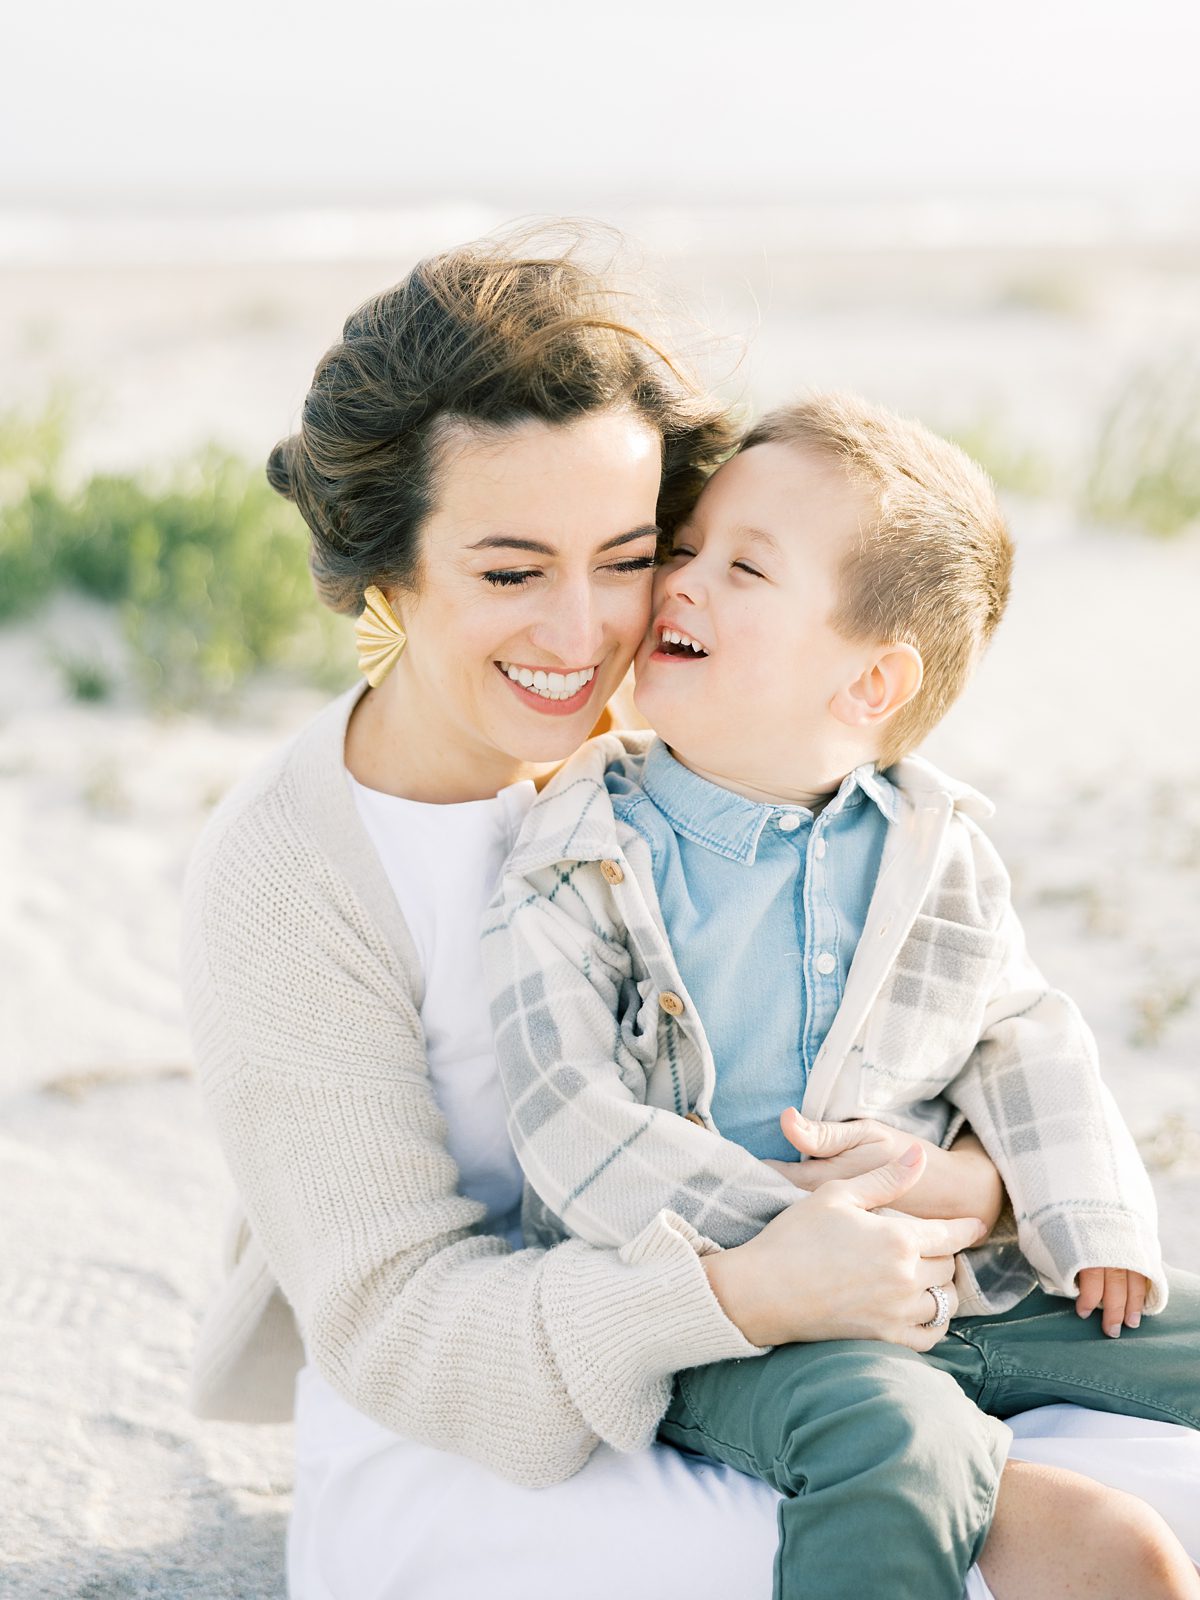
608	1075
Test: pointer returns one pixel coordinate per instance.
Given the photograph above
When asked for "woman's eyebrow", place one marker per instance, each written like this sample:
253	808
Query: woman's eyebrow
505	541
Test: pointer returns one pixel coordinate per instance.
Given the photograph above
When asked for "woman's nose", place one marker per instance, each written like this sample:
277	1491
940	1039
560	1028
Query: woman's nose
570	628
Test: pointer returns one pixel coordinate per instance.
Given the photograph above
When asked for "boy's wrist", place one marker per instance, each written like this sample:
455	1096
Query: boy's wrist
972	1185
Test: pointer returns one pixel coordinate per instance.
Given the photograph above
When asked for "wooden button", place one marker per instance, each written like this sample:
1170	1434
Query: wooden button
694	1116
671	1003
612	871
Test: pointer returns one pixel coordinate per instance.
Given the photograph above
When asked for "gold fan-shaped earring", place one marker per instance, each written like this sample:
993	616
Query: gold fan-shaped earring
379	637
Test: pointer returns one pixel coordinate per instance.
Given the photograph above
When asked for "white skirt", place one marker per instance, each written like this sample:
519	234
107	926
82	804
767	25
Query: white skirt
377	1517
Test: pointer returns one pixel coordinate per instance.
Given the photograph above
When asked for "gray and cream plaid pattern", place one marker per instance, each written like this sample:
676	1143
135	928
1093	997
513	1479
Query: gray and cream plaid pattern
608	1074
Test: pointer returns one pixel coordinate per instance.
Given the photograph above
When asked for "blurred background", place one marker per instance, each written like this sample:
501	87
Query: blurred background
989	220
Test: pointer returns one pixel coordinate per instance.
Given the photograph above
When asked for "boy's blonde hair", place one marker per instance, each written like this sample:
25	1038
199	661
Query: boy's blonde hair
932	569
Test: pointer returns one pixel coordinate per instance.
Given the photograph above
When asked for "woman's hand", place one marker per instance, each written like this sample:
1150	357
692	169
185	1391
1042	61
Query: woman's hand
829	1268
956	1182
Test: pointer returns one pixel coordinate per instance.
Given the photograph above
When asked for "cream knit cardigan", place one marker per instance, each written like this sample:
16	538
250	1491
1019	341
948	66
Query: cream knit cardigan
351	1241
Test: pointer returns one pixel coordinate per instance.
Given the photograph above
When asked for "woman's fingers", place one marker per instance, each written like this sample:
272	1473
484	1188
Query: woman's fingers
928	1307
937	1270
916	1332
881	1185
938	1238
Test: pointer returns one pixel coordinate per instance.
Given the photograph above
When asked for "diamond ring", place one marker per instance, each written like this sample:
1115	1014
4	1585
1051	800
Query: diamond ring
942	1316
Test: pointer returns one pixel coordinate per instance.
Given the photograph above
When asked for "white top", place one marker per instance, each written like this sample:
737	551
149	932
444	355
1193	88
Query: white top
443	863
379	1517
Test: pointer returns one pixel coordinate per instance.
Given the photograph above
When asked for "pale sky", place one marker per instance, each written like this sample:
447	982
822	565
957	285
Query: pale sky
549	102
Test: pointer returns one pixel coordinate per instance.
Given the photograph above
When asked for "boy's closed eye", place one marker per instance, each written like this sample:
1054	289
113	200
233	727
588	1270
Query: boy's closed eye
684	552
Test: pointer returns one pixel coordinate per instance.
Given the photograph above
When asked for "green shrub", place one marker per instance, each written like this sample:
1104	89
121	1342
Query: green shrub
1011	465
85	679
208	568
31	452
1145	472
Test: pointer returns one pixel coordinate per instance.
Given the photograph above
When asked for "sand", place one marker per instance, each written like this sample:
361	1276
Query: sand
1080	725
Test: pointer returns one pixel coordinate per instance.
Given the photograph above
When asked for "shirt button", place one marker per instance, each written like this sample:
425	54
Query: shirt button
819	849
693	1116
671	1003
612	871
789	822
825	963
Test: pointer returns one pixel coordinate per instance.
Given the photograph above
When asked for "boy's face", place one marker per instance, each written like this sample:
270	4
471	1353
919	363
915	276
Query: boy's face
753	580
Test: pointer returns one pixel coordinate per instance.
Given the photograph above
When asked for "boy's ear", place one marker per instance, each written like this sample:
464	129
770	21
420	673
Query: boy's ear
888	682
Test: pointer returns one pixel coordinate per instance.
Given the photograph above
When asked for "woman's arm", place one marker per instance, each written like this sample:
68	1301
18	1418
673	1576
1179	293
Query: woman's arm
311	1060
832	1269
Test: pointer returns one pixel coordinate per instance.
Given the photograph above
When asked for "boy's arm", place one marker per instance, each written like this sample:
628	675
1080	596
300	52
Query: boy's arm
567	1013
1031	1090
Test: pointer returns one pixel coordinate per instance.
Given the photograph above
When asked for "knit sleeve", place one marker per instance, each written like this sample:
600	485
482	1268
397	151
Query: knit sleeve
311	1060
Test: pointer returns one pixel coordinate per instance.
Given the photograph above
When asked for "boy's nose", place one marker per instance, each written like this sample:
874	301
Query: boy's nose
684	583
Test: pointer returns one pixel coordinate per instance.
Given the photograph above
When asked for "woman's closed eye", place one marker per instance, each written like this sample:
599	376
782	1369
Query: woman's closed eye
503	580
508	577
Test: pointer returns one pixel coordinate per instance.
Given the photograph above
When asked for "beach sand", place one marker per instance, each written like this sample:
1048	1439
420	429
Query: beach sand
1080	725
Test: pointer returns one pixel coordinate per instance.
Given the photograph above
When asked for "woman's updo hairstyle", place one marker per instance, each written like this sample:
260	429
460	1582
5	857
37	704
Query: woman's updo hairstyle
483	335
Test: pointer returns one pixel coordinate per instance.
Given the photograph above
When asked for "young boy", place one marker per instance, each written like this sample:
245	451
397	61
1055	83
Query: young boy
774	903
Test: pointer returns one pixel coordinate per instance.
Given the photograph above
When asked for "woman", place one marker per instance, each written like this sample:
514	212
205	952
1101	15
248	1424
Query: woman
487	457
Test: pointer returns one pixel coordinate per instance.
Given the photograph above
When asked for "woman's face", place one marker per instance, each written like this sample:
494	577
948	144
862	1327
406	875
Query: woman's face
534	584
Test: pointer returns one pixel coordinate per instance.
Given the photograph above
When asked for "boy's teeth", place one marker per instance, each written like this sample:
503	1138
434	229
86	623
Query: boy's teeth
671	637
550	685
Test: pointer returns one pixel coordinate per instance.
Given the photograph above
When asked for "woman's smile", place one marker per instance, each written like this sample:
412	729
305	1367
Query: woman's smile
557	694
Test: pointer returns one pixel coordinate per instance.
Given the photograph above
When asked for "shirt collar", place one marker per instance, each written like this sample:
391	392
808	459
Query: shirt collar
730	825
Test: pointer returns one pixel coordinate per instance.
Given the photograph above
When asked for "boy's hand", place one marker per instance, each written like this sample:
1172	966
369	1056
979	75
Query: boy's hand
1122	1295
957	1182
840	1149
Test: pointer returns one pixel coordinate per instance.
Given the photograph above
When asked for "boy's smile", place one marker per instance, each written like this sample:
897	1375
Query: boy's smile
674	644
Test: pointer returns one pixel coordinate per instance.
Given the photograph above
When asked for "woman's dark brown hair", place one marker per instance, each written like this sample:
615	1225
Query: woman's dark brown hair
487	336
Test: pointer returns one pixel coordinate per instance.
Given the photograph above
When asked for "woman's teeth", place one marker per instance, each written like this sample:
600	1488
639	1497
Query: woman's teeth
669	636
550	685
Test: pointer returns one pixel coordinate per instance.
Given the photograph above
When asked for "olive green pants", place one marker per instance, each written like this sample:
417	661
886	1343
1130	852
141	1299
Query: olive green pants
889	1461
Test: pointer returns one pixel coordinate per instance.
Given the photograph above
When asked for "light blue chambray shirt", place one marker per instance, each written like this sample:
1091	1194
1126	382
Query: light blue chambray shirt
764	906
